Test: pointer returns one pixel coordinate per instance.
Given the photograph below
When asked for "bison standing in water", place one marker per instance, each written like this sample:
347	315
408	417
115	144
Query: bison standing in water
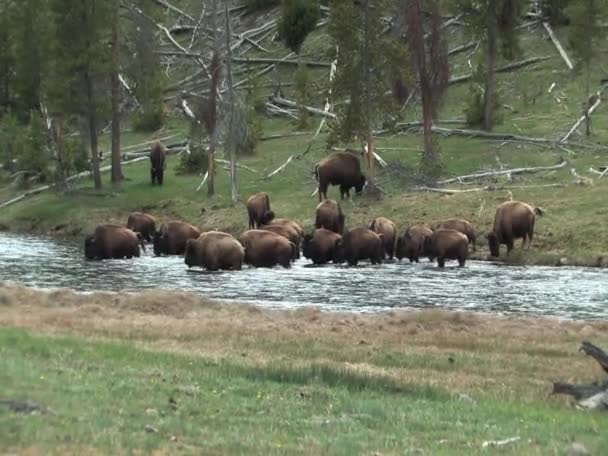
388	230
339	168
363	244
462	225
258	209
513	220
264	249
143	223
112	242
323	246
158	163
214	250
172	237
448	245
412	244
329	215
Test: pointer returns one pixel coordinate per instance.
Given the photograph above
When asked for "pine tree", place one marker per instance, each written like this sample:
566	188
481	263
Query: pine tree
368	64
298	19
115	87
80	70
432	69
494	23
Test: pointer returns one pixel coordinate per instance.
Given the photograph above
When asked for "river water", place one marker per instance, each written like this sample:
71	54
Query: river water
569	292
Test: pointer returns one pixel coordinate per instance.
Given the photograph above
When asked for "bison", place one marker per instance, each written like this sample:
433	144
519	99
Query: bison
143	223
447	245
363	244
412	244
513	220
265	249
172	237
462	225
288	232
389	232
258	209
339	168
323	246
329	215
214	250
112	242
158	163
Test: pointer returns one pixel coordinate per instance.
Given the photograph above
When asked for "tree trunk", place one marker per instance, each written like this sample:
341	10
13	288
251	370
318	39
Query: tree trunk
491	50
428	157
57	138
233	151
92	121
115	82
371	185
215	94
211	165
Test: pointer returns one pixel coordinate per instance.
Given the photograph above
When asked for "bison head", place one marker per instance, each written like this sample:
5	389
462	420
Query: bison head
90	248
190	254
160	243
360	185
493	243
306	246
267	217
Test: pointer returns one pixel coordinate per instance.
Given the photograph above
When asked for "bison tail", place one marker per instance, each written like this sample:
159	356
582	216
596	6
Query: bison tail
539	211
141	240
317	172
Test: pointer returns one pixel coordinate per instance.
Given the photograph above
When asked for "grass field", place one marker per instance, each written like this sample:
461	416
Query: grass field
174	373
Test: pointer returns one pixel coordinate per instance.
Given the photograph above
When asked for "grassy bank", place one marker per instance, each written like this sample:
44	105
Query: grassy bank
126	373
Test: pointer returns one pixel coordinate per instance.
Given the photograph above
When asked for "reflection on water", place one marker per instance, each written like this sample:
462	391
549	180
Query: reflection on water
579	293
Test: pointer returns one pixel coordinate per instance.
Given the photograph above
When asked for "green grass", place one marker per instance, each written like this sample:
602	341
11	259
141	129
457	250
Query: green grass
105	394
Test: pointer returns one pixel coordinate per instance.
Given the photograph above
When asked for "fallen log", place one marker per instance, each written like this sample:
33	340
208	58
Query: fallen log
266	61
558	45
504	69
503	173
175	9
294	105
487	188
592	396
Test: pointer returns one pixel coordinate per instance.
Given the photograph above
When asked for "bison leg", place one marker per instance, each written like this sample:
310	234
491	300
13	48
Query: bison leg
159	176
461	261
510	245
441	262
153	176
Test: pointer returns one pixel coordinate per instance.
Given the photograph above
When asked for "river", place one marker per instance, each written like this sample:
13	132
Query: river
568	292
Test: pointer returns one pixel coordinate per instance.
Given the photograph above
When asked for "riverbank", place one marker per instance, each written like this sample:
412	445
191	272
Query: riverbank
179	373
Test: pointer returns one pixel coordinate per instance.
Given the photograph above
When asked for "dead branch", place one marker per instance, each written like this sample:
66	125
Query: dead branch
289	160
487	188
504	172
596	353
266	61
582	118
175	9
504	69
293	104
558	45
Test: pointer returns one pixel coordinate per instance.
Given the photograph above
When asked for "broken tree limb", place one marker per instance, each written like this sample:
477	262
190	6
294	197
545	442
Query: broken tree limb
558	45
582	118
504	69
293	104
266	61
503	172
175	9
289	160
596	353
487	188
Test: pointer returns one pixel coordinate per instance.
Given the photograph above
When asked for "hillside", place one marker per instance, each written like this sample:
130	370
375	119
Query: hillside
542	100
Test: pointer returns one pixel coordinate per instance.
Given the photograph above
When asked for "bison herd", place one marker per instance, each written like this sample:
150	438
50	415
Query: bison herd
271	241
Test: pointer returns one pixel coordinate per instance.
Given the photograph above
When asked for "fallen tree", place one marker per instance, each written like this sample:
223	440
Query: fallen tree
487	188
592	396
504	69
503	172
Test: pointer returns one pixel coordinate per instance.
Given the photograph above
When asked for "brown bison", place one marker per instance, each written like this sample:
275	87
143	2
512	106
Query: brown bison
448	245
288	232
158	163
339	168
323	246
412	244
388	230
112	242
142	223
172	237
264	249
290	223
258	208
213	251
462	225
329	215
513	220
363	244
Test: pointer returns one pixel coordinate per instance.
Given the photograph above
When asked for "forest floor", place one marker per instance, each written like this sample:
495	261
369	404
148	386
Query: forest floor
166	373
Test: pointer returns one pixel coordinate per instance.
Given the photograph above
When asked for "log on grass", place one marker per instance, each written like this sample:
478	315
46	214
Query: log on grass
503	172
